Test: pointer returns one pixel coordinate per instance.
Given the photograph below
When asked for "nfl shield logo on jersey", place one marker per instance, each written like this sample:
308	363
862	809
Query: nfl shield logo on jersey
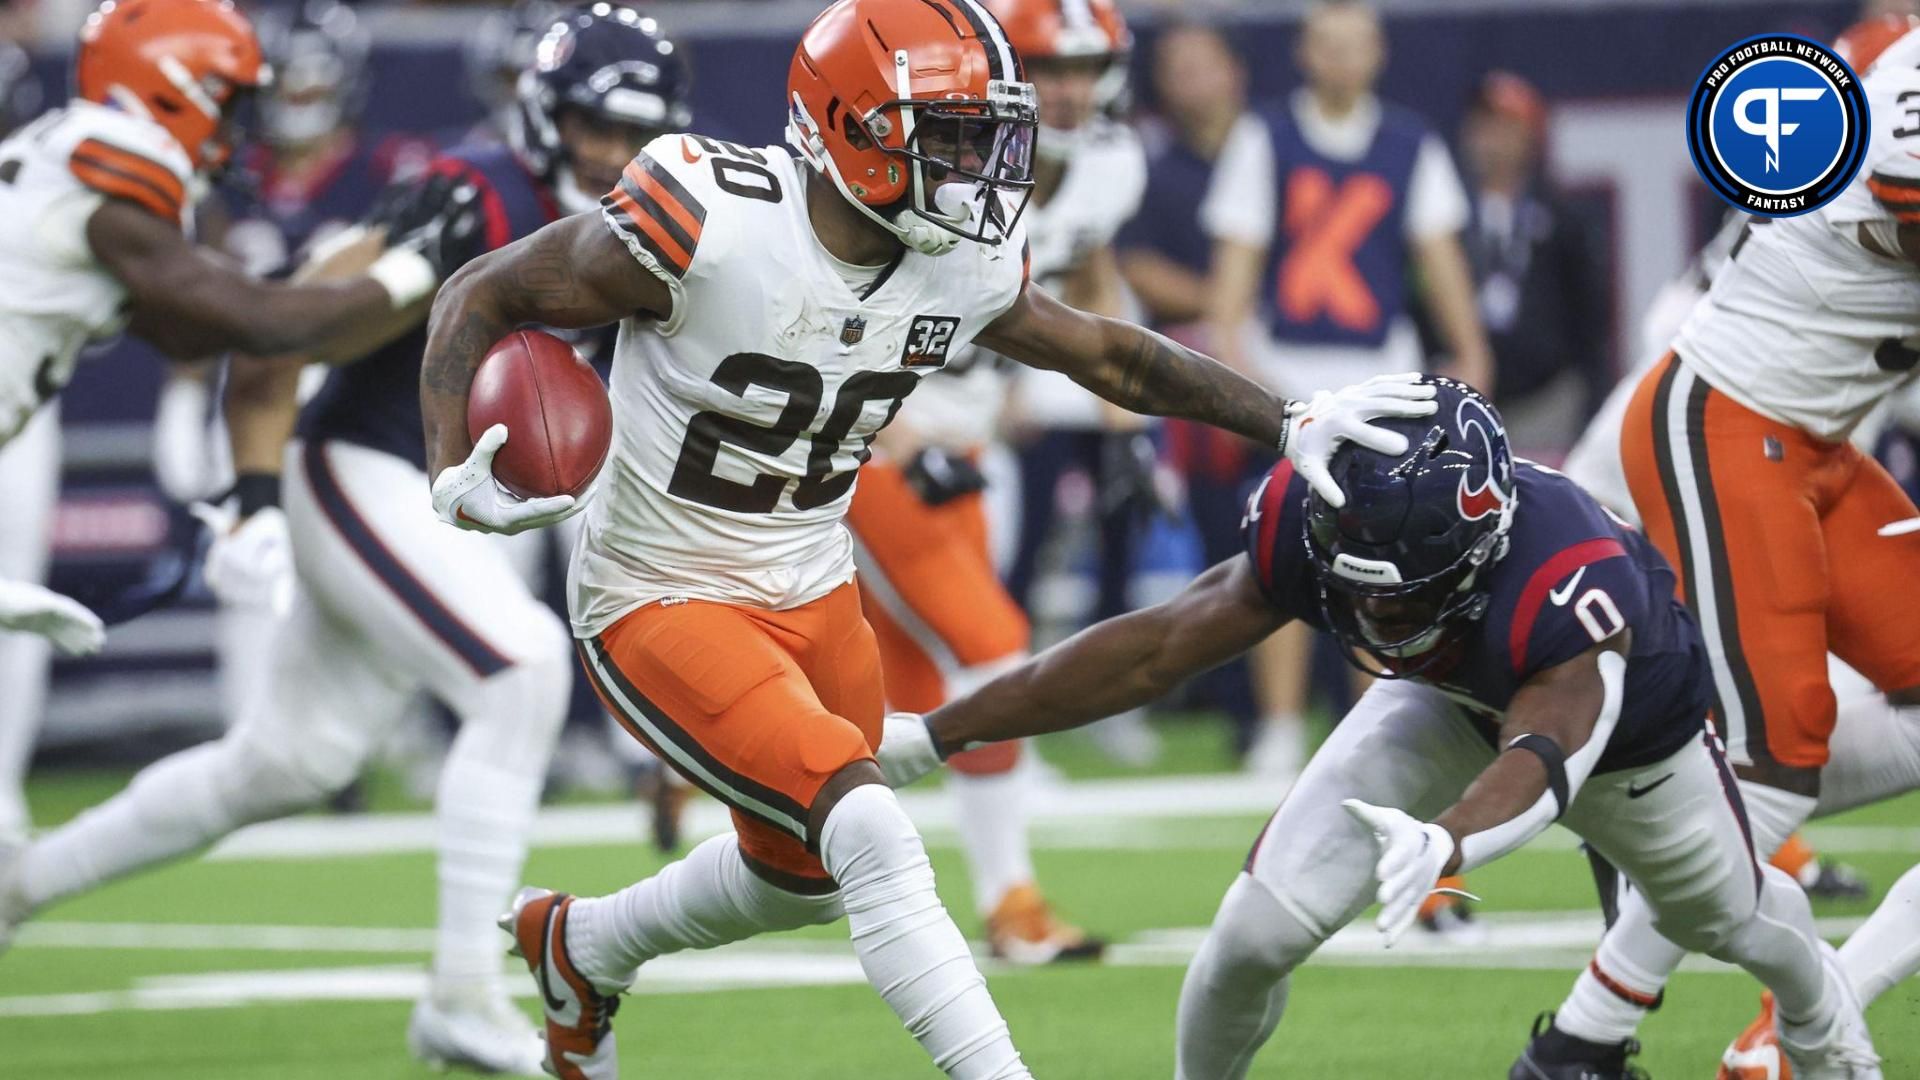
928	340
853	330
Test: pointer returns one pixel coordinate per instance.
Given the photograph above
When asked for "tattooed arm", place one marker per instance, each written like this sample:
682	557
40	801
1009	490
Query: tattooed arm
571	274
1135	368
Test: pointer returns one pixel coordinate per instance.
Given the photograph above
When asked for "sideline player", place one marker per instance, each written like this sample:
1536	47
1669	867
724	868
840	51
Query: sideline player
1535	667
943	620
1089	174
1784	535
773	313
95	236
389	601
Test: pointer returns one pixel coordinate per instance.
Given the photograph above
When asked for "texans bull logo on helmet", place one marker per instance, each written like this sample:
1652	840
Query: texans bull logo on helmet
1486	484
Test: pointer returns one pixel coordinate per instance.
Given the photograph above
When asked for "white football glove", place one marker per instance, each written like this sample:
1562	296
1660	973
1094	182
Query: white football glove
906	749
66	622
468	496
1412	854
250	563
1344	415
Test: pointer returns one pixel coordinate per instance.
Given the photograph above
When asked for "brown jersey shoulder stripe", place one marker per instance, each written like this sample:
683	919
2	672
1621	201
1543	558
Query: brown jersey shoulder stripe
639	223
667	189
124	174
1899	194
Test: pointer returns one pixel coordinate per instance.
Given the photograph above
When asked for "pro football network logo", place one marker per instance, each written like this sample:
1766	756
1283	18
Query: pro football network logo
1778	125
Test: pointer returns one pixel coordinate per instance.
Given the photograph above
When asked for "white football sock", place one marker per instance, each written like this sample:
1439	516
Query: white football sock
175	806
1886	949
1778	946
482	814
484	807
24	663
1636	958
709	898
1236	987
1874	754
992	819
911	951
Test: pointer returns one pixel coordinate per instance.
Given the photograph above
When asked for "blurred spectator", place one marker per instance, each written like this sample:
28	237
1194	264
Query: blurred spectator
1319	214
1201	87
1542	289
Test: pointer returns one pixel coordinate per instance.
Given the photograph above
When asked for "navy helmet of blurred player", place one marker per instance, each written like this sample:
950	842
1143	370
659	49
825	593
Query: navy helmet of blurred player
20	93
1399	566
319	54
500	50
604	82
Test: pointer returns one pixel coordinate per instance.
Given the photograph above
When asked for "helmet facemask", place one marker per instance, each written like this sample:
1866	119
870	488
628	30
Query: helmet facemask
1403	624
966	163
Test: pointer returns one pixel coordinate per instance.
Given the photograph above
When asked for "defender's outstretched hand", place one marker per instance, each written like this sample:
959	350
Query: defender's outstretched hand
66	622
906	751
468	496
1346	415
1412	854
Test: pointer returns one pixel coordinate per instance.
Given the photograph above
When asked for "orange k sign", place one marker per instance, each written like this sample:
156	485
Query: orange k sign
1327	226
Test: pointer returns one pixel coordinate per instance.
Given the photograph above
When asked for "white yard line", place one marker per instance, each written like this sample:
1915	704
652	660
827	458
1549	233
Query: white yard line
1514	941
1096	815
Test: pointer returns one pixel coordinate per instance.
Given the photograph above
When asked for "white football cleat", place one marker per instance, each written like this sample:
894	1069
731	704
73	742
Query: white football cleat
495	1038
1842	1050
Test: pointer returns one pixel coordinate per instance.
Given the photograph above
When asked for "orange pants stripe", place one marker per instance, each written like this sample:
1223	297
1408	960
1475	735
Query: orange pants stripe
1775	537
759	708
930	591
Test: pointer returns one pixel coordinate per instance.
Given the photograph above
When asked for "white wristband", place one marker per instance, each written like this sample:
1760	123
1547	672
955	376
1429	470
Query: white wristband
406	275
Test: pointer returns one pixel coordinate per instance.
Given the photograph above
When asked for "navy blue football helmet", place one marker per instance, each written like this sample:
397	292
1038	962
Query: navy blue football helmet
319	54
609	62
1399	566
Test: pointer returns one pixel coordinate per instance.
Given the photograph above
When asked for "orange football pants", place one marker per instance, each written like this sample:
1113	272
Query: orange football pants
1775	536
759	708
930	591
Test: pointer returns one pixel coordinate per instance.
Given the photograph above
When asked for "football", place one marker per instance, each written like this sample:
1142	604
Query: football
559	421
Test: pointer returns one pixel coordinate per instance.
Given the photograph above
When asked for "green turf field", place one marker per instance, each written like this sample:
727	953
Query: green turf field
262	962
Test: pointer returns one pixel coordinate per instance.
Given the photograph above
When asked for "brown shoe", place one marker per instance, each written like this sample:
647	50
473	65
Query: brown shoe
1024	930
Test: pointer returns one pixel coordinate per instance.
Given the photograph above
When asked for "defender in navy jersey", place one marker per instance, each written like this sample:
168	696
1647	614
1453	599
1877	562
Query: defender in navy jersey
1572	575
388	601
1535	668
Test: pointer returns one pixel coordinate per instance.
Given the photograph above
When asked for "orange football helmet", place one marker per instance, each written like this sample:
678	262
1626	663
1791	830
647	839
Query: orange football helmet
184	64
1064	29
1085	32
1863	42
920	114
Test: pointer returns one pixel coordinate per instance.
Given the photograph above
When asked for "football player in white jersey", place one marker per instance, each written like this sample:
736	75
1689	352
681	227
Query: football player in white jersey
774	311
943	620
382	602
95	208
1090	173
1785	537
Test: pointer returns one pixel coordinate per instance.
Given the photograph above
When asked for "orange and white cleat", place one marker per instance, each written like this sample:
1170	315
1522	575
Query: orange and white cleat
1756	1055
1024	930
580	1043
